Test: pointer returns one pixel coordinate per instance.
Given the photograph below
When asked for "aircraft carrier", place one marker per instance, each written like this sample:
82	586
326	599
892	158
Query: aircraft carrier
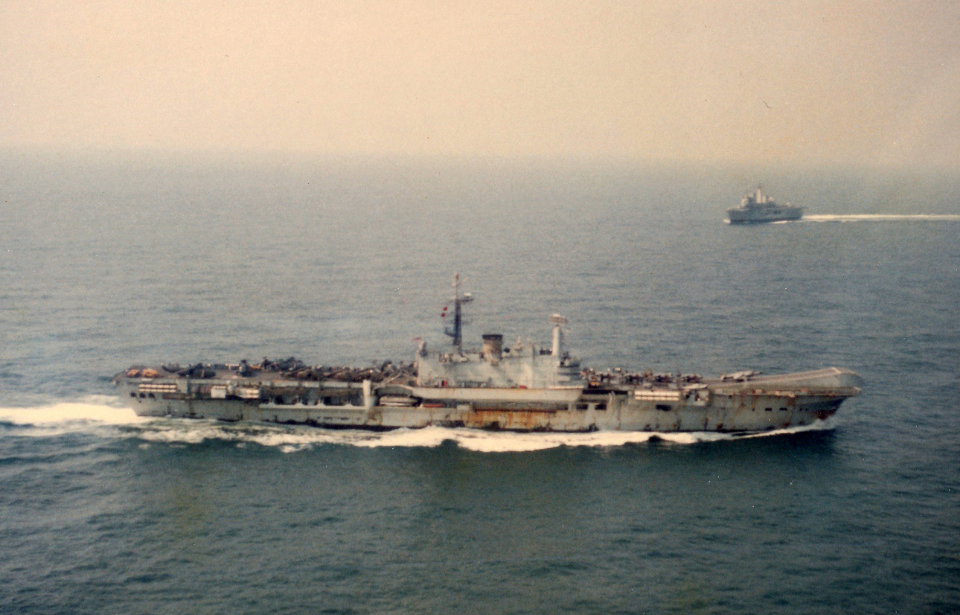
524	387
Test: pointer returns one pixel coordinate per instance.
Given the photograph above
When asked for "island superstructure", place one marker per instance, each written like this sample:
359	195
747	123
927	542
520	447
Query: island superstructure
757	207
525	387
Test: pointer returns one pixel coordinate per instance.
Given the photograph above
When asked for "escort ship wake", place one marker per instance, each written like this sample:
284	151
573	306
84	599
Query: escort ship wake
520	388
757	207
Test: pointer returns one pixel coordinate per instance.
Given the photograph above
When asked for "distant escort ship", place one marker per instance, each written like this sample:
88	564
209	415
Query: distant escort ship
520	388
757	207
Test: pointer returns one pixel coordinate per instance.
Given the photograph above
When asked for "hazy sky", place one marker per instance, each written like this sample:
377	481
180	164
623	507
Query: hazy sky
817	81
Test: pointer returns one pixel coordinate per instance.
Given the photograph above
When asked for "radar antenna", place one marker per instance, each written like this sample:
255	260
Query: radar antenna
457	331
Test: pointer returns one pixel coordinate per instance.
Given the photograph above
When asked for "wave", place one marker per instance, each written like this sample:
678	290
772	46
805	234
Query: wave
96	409
104	416
878	217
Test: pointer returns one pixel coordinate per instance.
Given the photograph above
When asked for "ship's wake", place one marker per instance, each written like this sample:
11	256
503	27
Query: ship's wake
93	414
103	416
879	217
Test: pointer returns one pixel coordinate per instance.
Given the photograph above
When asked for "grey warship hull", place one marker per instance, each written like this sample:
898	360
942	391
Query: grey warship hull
776	214
741	404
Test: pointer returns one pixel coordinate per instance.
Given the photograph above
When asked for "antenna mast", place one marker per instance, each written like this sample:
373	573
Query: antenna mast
457	332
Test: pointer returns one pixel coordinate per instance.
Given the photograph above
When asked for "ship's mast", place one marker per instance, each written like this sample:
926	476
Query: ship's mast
457	332
557	321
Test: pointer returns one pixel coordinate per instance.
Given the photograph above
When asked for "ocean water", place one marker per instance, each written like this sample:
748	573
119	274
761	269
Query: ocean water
109	261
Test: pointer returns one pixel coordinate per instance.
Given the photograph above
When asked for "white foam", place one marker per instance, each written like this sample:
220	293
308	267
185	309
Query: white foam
91	410
879	217
503	442
287	439
826	425
294	438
